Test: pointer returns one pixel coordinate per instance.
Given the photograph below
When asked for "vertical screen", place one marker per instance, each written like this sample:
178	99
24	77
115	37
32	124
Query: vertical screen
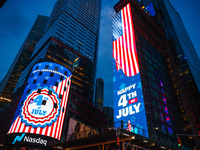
128	95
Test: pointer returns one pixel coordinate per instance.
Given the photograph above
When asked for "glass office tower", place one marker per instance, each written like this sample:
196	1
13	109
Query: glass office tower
184	68
22	58
9	82
99	93
78	107
76	24
71	33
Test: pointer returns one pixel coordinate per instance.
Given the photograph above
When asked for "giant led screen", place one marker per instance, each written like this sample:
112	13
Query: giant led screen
40	115
128	95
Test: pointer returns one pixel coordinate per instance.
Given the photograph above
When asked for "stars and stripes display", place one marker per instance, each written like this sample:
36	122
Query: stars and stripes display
43	104
128	97
124	48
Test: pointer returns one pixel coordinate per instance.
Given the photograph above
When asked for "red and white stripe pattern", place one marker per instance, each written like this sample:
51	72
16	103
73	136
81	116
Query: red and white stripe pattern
129	126
124	47
55	129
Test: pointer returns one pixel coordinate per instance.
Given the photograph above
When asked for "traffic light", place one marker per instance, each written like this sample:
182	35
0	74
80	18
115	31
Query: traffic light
179	142
118	142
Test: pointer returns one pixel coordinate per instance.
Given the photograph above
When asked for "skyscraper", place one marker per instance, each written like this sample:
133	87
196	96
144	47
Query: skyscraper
99	94
10	80
75	23
109	112
143	95
78	22
22	58
184	67
180	86
188	72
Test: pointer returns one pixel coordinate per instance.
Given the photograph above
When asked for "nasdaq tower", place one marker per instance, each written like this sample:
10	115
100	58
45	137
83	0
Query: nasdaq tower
70	40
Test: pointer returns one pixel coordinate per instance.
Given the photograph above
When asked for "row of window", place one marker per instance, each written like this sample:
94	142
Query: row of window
47	67
45	81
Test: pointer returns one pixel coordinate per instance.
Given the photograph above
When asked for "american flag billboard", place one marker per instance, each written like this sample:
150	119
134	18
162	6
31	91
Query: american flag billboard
128	94
42	108
124	48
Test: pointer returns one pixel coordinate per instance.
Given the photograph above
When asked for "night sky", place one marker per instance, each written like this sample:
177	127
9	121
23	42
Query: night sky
18	16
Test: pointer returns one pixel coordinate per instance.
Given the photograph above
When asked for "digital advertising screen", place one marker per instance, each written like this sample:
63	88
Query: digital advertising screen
40	114
128	96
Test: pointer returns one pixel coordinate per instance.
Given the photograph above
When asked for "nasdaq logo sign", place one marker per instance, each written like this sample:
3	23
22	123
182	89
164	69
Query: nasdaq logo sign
28	139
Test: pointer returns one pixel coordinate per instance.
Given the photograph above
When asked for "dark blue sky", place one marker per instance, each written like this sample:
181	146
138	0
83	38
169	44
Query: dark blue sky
17	18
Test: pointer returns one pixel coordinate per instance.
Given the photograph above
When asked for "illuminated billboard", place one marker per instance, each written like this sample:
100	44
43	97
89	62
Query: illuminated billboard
40	115
128	95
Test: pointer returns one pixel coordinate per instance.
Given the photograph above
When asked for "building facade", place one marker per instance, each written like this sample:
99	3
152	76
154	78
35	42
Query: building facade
99	94
109	112
187	78
183	66
76	24
160	101
9	104
79	109
10	80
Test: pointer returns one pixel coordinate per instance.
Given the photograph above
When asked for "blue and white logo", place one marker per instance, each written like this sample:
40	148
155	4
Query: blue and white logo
18	138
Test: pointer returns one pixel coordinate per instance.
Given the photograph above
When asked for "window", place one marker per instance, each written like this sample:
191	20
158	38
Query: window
61	78
40	73
51	74
44	102
36	67
34	81
63	109
55	105
65	72
49	92
22	102
39	91
47	67
154	93
28	91
56	69
45	82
